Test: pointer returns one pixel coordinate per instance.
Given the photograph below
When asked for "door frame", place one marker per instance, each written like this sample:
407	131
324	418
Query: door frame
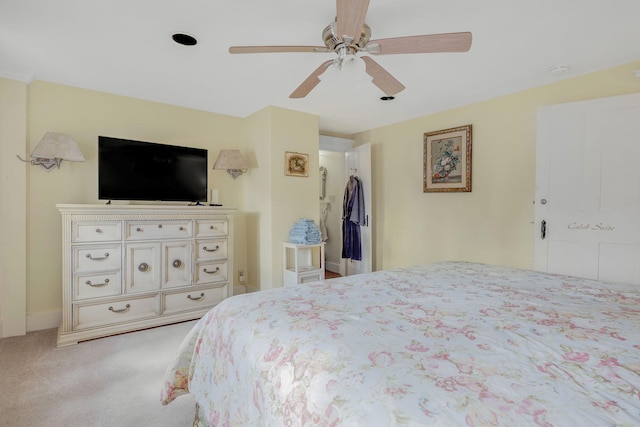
353	159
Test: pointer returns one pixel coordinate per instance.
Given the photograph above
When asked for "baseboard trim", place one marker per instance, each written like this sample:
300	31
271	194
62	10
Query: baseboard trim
333	267
40	321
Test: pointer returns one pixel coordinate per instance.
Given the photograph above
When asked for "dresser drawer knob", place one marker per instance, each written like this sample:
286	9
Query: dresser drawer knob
181	228
95	285
177	263
159	225
143	267
139	229
196	298
91	257
212	227
211	272
98	230
120	310
211	250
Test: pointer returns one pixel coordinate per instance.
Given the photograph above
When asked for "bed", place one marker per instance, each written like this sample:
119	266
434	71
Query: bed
445	344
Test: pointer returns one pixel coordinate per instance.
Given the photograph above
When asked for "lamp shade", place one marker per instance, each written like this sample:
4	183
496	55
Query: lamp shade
230	159
55	145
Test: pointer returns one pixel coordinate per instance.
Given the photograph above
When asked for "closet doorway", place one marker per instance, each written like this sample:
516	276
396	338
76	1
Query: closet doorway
338	161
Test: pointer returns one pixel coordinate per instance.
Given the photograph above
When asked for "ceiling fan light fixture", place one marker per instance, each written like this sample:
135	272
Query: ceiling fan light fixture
352	68
331	75
346	73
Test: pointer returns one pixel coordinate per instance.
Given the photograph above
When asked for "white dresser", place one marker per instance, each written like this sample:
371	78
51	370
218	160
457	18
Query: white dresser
129	267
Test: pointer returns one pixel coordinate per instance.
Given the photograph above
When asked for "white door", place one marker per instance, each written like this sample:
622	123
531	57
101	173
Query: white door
358	163
587	214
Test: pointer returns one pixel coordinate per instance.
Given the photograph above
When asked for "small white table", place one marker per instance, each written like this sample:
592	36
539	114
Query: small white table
302	263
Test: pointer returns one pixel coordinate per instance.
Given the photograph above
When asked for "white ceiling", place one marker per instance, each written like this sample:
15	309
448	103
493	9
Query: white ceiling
125	47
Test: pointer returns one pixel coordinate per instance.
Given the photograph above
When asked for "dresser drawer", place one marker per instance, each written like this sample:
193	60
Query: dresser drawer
211	272
96	231
212	227
211	250
311	276
151	230
96	258
93	315
96	285
200	298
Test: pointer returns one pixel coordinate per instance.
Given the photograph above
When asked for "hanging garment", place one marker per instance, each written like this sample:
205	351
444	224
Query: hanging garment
352	218
324	212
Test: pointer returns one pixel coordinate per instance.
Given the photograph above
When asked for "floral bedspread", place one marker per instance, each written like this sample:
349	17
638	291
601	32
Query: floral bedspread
446	344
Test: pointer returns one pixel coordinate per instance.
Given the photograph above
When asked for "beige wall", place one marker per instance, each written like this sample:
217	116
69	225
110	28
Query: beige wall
275	201
292	197
493	223
258	201
13	213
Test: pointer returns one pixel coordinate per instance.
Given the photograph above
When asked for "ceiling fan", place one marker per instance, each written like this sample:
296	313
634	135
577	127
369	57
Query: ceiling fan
349	35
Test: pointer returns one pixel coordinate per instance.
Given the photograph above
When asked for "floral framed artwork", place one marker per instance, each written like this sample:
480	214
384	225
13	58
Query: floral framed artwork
296	164
447	160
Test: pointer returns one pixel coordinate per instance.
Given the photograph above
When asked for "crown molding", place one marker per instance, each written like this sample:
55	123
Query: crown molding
23	77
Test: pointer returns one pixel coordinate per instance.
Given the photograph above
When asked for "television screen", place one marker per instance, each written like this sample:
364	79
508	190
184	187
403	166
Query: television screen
136	170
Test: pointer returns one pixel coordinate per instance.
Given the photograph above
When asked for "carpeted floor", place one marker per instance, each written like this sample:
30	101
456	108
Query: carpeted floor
113	381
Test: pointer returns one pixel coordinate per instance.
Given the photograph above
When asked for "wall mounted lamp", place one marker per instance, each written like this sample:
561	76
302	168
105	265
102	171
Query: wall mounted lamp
53	148
232	161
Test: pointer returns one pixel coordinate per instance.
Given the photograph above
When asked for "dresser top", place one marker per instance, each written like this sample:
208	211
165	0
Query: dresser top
129	209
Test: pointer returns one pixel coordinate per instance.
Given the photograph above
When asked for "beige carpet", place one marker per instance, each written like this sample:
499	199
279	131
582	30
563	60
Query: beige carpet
113	381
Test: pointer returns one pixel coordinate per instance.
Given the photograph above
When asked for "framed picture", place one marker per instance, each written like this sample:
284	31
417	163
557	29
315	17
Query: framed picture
296	164
447	160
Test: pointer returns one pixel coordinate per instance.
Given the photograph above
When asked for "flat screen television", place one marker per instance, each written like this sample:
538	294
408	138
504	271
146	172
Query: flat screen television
137	170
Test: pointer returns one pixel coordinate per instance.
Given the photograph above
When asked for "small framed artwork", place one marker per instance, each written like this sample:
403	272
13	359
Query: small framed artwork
447	160
296	164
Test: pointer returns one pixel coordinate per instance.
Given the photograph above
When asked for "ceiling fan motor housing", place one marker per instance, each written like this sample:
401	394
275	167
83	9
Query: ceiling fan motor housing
334	43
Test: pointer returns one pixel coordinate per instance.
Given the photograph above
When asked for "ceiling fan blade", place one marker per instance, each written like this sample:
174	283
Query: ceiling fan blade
430	43
276	49
381	77
311	81
350	18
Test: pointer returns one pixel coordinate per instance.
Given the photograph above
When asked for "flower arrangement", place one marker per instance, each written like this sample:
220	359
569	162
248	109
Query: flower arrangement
447	161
